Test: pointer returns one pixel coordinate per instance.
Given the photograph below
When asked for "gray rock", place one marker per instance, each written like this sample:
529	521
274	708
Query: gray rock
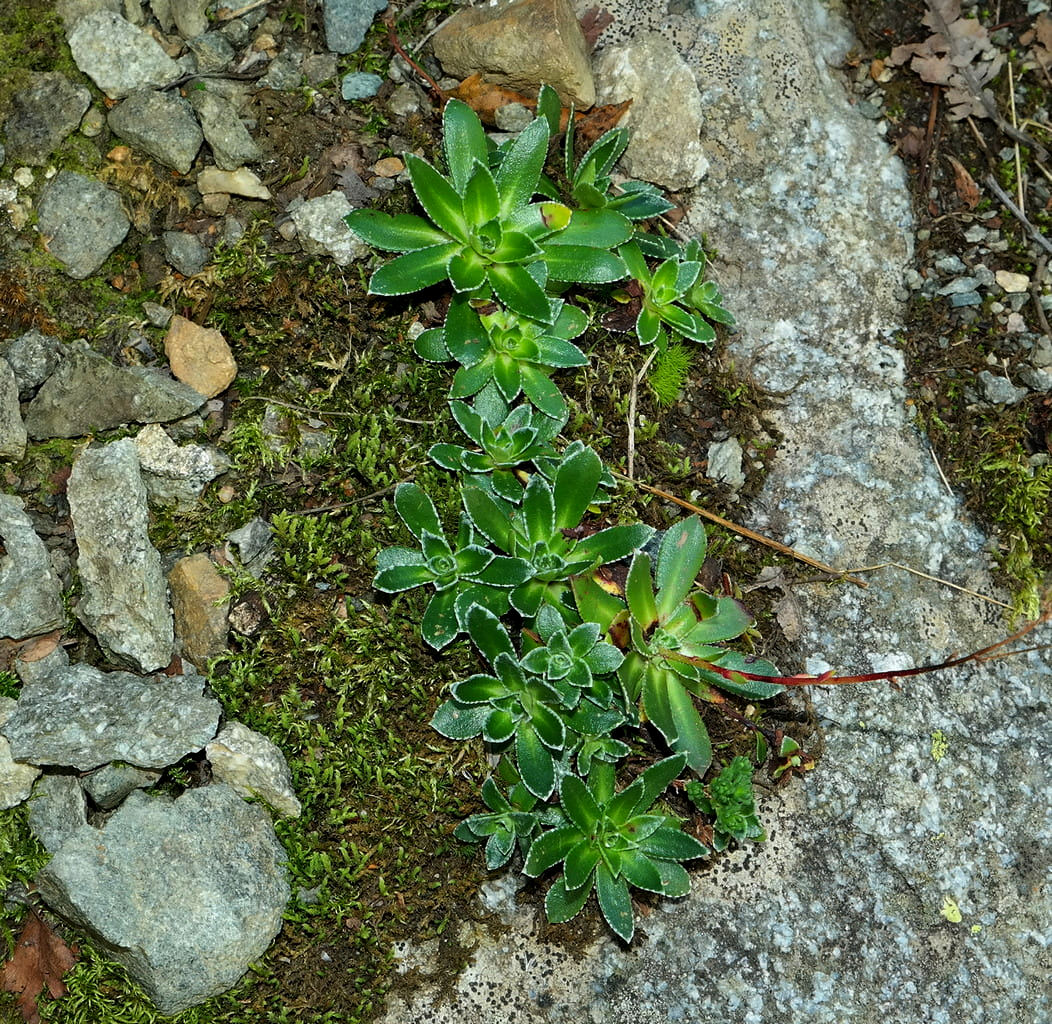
961	299
512	117
118	57
1000	390
176	475
1037	380
212	52
42	116
30	593
12	430
189	16
82	222
838	917
286	70
321	228
160	124
16	778
33	357
958	285
109	785
666	113
124	598
347	21
255	545
725	463
232	146
87	393
187	924
34	671
185	252
57	808
253	767
360	85
79	717
320	67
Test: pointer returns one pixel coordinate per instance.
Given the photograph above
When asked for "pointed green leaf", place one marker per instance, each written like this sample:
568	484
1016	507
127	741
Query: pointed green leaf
593	602
516	247
688	324
601	156
675	881
680	559
538	510
489	635
499	727
460	721
517	289
579	804
467	271
543	393
535	762
481	202
692	738
672	844
599	229
575	485
394	577
613	543
438	197
639	870
463	141
580	863
615	902
639	592
417	510
499	849
490	517
478	689
549	849
403	233
439	626
656	779
549	106
559	354
582	263
520	170
561	904
431	346
413	271
730	621
648	326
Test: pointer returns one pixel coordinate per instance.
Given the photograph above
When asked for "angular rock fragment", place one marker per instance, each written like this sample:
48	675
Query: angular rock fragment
57	808
30	592
253	766
199	356
16	777
80	717
175	475
200	604
42	116
161	125
12	429
109	785
124	599
118	57
81	222
187	924
231	144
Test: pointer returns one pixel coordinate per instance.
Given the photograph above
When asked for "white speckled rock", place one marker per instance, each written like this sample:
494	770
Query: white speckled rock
838	918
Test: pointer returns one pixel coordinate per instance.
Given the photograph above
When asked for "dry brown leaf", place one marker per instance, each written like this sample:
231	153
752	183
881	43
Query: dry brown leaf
39	647
967	190
40	960
593	21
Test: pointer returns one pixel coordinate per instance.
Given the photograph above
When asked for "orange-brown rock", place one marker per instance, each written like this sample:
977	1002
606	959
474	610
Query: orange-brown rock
199	356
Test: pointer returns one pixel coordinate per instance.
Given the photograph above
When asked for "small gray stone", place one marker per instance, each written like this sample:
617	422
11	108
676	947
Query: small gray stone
253	766
320	67
185	252
725	463
82	718
189	16
187	924
959	285
513	117
124	599
1000	390
16	778
232	146
1036	380
118	57
82	222
285	71
212	51
30	592
950	265
965	299
321	228
109	785
33	357
87	393
360	85
174	475
347	21
158	315
57	808
12	430
42	116
255	545
159	124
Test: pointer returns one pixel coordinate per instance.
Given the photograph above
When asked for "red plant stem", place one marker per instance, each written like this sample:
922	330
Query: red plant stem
828	679
436	92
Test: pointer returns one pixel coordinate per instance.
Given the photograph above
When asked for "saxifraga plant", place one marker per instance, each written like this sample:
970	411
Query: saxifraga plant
563	708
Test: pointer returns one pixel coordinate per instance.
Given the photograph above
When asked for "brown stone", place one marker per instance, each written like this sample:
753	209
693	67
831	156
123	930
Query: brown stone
200	602
199	357
522	44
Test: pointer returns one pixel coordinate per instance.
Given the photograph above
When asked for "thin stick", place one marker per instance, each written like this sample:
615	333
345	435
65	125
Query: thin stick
1005	198
744	531
942	475
1015	124
934	579
636	381
346	504
436	90
1035	293
225	14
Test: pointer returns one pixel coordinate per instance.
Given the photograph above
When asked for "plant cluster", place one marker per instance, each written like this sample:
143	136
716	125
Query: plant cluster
573	669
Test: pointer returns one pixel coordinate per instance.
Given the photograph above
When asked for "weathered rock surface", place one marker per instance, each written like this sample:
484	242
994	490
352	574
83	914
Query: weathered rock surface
33	357
124	598
82	222
241	182
232	146
30	592
347	21
321	228
109	785
12	430
16	777
87	393
189	16
160	124
666	113
199	356
42	116
57	808
187	924
839	917
253	766
521	44
119	57
200	605
175	475
79	717
185	251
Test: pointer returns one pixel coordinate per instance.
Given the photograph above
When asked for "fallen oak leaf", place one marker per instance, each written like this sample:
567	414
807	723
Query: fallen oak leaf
40	959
